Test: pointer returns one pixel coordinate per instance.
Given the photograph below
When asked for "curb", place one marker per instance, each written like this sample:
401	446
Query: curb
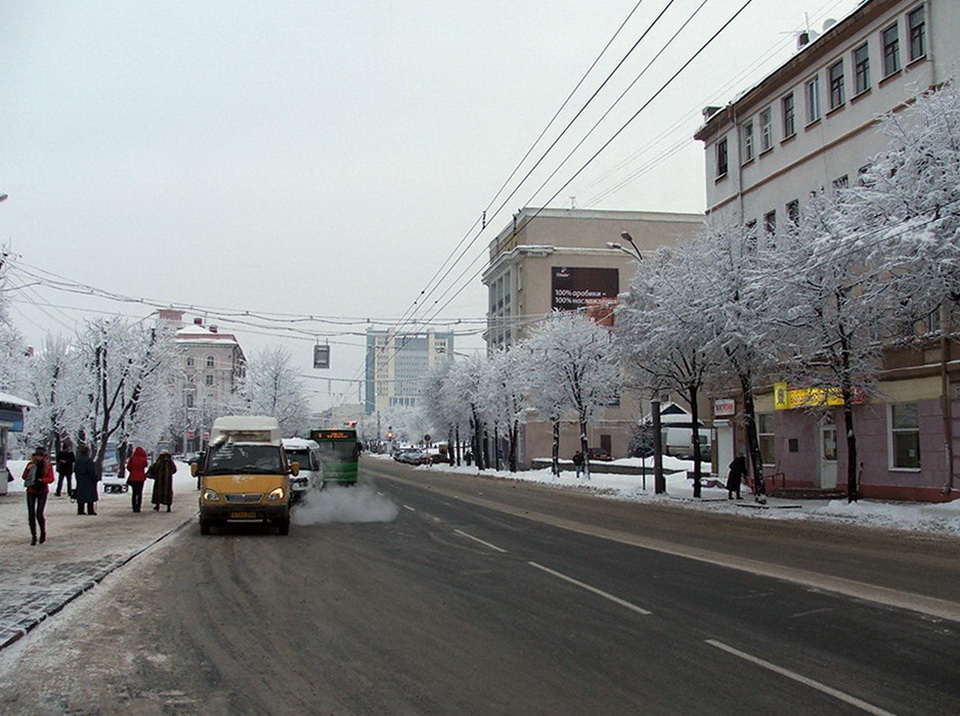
20	632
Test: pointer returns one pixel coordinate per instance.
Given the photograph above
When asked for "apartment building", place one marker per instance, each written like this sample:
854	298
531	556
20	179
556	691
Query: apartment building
562	259
211	366
812	126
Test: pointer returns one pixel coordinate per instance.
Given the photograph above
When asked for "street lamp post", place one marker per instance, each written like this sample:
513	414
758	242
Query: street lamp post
659	483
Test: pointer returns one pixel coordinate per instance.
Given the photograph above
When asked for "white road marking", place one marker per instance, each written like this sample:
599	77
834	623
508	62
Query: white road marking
605	595
846	698
477	539
408	507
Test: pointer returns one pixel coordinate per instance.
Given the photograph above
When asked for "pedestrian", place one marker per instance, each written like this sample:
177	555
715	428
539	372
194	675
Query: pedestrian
578	462
37	478
85	470
738	471
65	461
468	458
161	472
136	476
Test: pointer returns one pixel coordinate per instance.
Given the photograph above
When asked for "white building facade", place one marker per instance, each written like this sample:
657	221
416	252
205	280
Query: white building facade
812	126
211	366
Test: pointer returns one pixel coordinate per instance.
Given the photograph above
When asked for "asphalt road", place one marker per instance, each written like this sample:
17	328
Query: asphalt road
493	597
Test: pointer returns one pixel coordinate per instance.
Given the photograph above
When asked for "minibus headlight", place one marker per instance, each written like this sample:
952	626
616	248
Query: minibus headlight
276	494
211	495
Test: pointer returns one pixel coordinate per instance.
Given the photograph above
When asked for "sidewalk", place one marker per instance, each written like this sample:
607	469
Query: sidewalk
38	581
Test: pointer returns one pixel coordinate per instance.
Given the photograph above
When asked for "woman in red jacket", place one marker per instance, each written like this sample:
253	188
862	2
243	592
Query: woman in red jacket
136	476
37	477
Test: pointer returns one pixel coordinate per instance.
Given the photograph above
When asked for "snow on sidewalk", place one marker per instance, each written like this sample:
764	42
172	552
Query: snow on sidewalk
920	517
39	580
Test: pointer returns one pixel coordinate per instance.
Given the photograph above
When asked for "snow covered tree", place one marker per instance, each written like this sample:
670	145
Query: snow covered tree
272	386
125	381
55	380
13	349
571	351
435	406
904	215
833	313
503	390
663	331
733	291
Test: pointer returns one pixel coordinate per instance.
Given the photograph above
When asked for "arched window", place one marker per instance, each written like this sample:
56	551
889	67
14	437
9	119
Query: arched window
210	362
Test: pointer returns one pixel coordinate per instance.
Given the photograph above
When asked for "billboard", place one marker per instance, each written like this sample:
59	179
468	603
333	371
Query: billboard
590	289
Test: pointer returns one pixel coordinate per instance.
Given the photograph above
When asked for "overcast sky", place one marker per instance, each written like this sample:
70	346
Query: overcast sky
325	158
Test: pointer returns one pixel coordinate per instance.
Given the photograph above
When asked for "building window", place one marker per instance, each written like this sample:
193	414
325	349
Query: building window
722	158
210	362
793	211
789	116
748	142
189	400
189	361
838	95
890	39
766	438
861	68
766	130
918	34
208	380
905	436
770	223
812	92
841	183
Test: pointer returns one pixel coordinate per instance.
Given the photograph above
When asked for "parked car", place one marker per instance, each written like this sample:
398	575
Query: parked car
598	454
413	457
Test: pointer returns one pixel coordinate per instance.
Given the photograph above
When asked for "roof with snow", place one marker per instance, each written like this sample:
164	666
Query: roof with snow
14	400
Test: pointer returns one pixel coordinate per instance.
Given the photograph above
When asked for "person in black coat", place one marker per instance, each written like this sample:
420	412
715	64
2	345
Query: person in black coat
85	471
65	462
738	471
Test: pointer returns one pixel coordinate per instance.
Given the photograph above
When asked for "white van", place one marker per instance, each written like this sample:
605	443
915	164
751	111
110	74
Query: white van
307	454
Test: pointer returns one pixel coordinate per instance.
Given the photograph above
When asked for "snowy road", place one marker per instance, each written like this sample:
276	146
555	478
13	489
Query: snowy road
422	600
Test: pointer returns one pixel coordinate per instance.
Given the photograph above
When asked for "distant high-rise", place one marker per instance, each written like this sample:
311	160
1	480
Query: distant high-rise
397	363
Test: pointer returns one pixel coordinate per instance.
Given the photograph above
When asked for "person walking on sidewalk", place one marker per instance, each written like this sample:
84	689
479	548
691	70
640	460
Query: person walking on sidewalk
161	472
738	470
87	478
37	478
136	476
65	461
578	462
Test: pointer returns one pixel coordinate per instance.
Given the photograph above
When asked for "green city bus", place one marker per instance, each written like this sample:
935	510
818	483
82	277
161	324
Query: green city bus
339	452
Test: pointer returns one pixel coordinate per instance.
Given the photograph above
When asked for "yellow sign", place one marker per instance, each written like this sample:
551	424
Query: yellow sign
787	398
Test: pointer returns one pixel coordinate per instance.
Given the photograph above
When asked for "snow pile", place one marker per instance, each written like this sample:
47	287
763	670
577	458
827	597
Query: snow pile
920	517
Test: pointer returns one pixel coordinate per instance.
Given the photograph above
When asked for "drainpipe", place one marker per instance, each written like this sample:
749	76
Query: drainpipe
947	402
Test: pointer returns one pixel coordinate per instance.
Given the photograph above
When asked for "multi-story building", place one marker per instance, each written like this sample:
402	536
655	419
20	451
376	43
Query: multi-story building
811	126
562	259
212	364
396	363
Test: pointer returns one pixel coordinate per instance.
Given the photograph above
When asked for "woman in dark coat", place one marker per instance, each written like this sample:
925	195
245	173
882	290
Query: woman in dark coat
136	476
161	472
87	478
738	470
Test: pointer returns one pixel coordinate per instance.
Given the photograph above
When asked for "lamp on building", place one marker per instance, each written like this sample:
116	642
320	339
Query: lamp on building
625	235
